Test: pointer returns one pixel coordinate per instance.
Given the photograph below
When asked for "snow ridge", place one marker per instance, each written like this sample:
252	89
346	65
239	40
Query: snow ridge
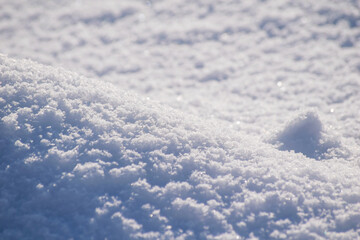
84	160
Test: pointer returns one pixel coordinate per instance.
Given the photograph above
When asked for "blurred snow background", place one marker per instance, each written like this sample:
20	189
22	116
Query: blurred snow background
203	119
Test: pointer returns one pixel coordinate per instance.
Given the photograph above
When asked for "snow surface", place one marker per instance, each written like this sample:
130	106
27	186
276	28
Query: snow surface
180	119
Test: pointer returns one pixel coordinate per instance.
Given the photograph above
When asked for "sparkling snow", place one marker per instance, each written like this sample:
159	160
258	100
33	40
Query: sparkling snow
179	119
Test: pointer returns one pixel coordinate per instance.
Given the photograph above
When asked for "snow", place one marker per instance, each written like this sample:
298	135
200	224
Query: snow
305	134
179	119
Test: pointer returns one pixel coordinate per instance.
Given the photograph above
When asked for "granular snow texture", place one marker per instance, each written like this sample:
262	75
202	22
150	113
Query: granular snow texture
179	119
82	160
250	62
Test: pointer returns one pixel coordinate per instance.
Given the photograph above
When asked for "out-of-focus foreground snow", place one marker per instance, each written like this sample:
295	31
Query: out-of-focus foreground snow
242	120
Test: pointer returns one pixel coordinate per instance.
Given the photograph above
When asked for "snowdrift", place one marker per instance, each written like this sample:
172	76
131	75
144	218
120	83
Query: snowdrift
81	159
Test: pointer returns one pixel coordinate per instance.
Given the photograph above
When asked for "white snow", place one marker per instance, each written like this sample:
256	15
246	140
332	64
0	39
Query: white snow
179	119
305	135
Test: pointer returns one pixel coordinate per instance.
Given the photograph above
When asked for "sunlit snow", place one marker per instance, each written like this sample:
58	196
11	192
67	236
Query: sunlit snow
179	119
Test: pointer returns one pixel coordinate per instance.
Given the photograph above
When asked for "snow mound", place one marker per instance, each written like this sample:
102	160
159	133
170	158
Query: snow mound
80	159
304	134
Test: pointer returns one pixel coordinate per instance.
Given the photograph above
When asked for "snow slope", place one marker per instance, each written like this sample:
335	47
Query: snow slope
80	159
179	119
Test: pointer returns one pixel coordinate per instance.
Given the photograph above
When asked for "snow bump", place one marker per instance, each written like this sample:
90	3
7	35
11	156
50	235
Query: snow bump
305	134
